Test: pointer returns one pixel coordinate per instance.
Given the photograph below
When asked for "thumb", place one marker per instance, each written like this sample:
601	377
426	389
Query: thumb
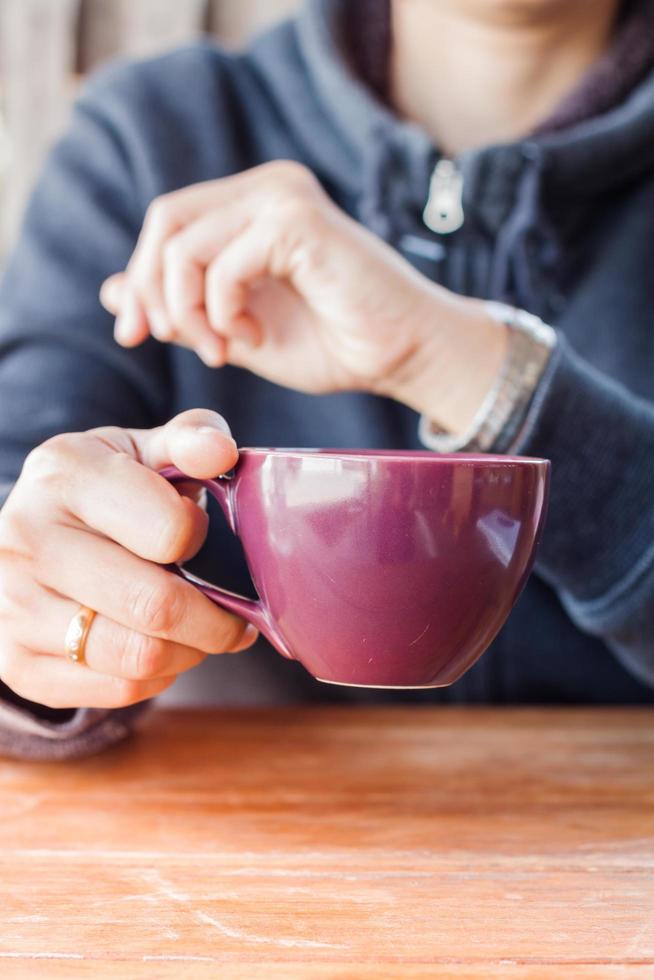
197	442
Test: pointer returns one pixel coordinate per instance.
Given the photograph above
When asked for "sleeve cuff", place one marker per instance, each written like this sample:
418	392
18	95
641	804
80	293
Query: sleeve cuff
25	735
600	439
530	346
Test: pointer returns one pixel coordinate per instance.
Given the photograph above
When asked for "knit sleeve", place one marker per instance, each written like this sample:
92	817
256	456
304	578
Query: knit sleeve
597	551
60	369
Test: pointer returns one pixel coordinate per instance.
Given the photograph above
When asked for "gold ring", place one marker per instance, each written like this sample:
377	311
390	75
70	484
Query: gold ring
77	634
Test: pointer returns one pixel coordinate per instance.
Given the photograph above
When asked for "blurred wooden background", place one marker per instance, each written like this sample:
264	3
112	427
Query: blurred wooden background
46	46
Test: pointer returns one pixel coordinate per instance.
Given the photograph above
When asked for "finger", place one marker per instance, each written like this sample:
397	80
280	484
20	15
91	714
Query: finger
228	281
131	327
145	268
197	441
135	320
190	324
185	260
116	295
137	594
112	292
111	648
97	479
236	199
59	683
166	217
170	213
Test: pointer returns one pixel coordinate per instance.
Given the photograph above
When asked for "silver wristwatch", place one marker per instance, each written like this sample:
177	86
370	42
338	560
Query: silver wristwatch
531	343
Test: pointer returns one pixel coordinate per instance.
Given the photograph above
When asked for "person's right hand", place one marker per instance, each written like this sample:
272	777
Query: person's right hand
89	522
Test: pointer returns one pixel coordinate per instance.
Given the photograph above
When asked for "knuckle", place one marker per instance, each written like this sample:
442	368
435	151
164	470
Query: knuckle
158	609
295	213
174	534
49	469
145	657
112	435
48	462
290	172
118	441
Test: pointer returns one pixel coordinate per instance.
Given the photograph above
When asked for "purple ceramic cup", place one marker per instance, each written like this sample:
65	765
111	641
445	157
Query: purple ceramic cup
380	568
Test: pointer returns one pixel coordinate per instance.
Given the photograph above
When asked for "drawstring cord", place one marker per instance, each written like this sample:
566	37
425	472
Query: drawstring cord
395	176
527	248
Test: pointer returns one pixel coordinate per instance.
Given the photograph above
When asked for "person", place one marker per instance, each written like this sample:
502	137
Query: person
306	238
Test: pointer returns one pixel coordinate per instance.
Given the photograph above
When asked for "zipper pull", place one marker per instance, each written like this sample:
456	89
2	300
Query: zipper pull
444	208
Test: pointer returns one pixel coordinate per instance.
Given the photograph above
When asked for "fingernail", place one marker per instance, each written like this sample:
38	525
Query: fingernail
211	354
122	331
250	634
112	291
159	325
205	430
108	296
213	421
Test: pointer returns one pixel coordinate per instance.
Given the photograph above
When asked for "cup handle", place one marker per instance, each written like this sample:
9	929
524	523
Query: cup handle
251	610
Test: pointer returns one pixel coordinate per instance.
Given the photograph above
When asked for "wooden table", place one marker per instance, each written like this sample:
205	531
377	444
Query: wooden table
338	842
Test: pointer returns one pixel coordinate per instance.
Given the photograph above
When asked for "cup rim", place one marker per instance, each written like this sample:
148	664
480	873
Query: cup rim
417	455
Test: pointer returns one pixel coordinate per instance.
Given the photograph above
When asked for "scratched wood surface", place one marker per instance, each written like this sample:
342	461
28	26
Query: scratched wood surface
338	842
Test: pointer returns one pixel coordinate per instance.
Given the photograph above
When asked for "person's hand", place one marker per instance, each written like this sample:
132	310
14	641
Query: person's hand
87	523
262	270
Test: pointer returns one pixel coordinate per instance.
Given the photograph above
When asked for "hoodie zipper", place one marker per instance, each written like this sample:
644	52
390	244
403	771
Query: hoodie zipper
443	212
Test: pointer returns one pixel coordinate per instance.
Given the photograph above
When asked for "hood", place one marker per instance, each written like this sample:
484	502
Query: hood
527	198
344	132
344	128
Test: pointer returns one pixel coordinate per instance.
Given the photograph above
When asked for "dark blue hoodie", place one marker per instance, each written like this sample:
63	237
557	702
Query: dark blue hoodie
561	224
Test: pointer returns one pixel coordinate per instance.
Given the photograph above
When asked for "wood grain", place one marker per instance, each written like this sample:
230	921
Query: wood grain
338	842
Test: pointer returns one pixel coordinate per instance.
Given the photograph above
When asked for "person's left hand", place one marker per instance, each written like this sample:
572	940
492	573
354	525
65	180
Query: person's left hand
262	270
